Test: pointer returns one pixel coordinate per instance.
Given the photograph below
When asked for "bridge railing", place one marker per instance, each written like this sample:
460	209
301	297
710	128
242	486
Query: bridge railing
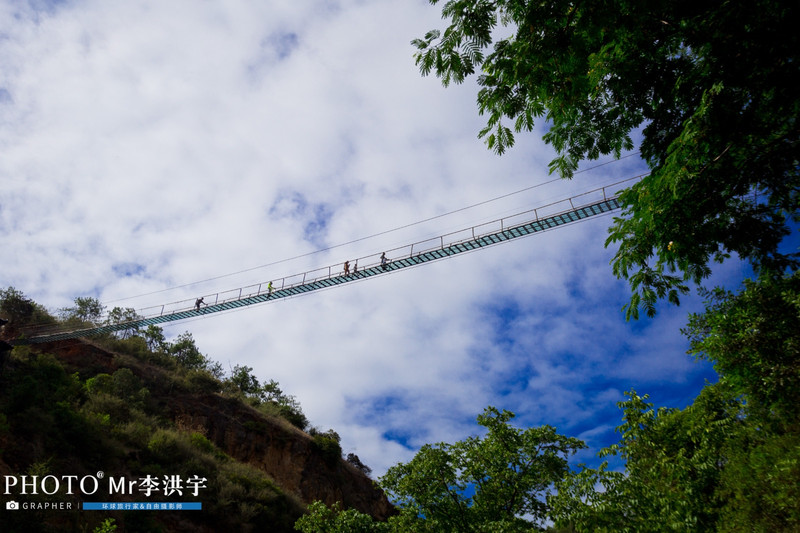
373	260
409	250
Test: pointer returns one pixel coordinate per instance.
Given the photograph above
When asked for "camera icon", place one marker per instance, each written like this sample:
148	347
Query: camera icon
12	506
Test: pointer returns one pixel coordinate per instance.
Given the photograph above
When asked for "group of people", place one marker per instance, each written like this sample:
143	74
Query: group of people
384	265
347	268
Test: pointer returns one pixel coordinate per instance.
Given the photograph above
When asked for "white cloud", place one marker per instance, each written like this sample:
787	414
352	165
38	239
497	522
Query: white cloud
149	145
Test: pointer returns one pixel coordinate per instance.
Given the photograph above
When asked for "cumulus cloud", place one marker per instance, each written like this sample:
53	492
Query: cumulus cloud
201	147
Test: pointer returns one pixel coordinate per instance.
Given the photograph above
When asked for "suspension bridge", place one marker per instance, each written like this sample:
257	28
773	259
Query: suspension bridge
530	222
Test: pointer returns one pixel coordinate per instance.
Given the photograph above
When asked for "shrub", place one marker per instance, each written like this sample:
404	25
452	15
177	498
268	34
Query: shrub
202	443
201	381
107	526
43	383
136	433
105	404
356	462
134	345
329	448
100	384
165	446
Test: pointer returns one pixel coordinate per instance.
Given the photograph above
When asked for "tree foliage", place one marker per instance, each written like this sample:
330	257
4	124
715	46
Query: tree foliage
354	460
269	396
498	482
53	422
20	309
86	309
731	460
155	339
323	519
242	378
287	405
753	339
127	315
672	470
495	483
711	86
713	466
186	353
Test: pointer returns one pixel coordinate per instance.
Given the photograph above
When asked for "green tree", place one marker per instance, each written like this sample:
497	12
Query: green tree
126	316
498	482
354	460
86	309
759	480
186	353
16	307
329	445
243	379
323	519
712	85
495	483
672	472
268	396
721	464
154	336
288	406
731	460
753	339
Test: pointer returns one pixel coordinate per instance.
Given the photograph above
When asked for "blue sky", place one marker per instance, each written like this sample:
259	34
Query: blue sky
151	145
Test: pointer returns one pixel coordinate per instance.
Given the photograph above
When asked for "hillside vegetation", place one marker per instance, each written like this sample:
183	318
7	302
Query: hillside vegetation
136	405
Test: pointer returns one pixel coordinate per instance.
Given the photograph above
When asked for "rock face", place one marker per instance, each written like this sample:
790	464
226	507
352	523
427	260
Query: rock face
286	454
289	456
